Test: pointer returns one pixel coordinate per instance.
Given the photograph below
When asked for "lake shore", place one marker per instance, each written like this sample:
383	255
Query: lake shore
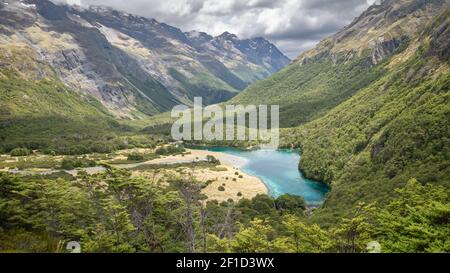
236	183
225	181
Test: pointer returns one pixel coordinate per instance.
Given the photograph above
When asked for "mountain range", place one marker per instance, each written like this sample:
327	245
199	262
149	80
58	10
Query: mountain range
134	66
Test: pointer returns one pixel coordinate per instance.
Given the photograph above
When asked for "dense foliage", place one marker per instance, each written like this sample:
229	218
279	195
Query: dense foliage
113	212
45	115
305	92
391	131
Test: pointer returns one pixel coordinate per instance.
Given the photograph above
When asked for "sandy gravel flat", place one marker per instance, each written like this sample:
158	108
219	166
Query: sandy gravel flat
237	186
246	186
190	157
232	181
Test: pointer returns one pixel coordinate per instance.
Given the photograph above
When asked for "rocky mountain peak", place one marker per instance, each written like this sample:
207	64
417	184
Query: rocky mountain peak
227	36
381	30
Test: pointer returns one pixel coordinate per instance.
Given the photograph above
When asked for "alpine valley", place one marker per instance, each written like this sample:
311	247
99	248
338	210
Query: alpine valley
85	95
100	65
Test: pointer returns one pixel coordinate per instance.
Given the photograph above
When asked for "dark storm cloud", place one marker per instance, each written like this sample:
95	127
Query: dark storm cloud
293	25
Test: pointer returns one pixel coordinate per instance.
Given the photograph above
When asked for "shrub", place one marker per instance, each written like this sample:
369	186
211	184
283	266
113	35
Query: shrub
239	194
161	151
212	160
221	188
135	157
170	150
20	152
290	202
67	164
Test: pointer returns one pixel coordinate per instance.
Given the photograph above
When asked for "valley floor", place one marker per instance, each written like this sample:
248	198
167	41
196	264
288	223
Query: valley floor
224	182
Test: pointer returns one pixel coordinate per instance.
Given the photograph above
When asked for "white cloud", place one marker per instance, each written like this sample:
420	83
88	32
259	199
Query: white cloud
293	25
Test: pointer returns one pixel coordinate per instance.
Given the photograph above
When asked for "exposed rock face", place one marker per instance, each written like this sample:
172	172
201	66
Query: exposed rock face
378	33
440	38
131	64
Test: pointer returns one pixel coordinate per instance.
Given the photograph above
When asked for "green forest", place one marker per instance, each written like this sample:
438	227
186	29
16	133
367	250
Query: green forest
113	212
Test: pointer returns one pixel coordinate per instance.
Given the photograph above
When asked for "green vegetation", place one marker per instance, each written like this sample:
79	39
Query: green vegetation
135	157
20	152
170	150
305	92
371	121
391	131
38	215
212	160
290	202
44	115
71	164
210	88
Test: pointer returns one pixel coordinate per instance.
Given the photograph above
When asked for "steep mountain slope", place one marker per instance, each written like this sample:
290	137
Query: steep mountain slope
38	111
134	66
343	64
393	130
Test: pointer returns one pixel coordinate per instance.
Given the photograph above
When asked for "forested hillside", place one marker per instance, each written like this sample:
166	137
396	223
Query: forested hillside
372	102
343	64
391	131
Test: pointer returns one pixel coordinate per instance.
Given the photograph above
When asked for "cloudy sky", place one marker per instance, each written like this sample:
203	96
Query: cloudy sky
293	25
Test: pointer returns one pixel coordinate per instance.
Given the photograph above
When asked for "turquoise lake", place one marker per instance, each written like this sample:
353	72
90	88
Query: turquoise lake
279	172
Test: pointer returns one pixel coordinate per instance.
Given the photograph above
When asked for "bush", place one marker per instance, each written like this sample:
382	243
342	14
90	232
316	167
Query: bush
290	202
135	157
161	151
239	194
212	160
20	152
67	165
221	188
170	150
